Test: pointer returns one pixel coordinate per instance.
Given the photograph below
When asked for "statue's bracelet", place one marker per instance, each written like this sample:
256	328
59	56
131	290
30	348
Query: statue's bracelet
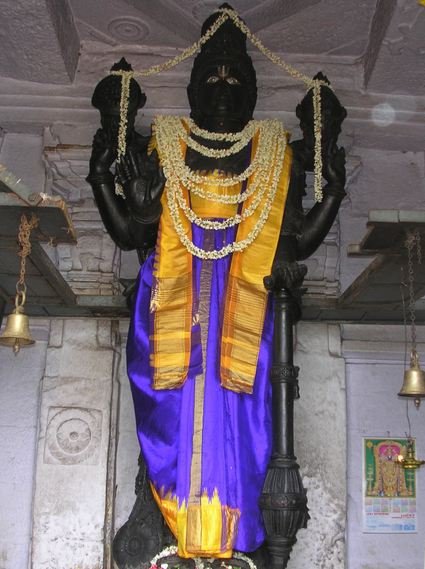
100	178
334	190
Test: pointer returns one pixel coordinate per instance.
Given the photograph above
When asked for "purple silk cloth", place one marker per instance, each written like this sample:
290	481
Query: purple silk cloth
237	427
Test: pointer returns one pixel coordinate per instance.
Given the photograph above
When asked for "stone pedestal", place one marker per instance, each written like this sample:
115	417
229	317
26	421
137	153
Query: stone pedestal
74	486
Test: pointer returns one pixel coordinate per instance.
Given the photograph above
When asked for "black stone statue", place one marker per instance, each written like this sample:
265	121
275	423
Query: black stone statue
222	95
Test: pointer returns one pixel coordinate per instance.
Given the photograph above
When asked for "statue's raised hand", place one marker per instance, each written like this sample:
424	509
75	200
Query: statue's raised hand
143	182
334	165
103	153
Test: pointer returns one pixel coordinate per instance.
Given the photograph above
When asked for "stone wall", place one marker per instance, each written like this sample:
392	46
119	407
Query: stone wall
375	363
20	379
74	479
320	430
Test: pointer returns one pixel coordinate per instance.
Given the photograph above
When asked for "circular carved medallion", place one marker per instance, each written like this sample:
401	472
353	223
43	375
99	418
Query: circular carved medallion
73	435
128	30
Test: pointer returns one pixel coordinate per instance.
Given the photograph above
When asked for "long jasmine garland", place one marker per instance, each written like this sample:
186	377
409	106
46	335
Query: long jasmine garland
226	136
262	183
226	13
167	130
172	193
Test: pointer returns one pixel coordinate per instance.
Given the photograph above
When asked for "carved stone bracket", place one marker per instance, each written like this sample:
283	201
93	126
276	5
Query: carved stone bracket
92	265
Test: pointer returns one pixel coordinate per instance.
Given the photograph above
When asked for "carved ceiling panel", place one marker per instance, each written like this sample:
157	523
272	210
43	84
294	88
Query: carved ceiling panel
334	27
296	26
117	22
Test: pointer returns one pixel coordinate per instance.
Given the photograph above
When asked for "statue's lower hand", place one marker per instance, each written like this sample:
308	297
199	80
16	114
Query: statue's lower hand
289	276
143	182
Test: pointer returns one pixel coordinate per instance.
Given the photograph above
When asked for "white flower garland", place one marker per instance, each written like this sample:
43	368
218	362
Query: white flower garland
226	136
238	140
217	225
236	246
270	151
215	152
226	13
199	561
167	131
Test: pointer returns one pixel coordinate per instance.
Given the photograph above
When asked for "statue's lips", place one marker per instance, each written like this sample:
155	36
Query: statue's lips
225	106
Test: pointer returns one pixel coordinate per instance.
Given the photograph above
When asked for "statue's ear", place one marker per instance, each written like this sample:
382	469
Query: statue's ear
190	96
298	111
142	100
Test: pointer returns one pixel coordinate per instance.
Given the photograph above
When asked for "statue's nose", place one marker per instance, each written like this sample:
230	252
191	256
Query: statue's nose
224	91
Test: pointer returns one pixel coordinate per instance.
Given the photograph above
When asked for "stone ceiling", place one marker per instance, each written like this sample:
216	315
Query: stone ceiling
52	55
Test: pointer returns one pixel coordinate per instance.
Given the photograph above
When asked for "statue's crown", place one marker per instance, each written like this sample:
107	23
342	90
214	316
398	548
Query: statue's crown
107	94
228	39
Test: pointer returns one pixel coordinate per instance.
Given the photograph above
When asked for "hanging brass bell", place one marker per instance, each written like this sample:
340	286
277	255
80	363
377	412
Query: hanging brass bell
17	331
414	380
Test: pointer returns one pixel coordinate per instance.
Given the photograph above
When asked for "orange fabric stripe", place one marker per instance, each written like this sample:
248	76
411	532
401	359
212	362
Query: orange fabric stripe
246	297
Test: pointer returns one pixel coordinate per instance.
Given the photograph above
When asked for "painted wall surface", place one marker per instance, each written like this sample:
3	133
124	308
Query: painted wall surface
374	372
374	365
320	421
20	378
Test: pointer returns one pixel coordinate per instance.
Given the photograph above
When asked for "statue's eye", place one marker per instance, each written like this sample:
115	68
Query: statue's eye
233	81
213	79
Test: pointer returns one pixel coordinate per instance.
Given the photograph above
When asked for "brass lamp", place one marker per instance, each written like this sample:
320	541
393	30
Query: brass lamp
414	378
410	462
16	332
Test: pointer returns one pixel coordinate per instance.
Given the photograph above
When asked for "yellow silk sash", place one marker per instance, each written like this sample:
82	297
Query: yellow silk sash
206	529
246	298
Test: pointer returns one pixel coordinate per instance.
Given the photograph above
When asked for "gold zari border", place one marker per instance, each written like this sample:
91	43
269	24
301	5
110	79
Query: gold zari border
206	529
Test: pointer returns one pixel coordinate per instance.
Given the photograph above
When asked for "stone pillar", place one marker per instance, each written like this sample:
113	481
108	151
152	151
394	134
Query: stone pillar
74	484
320	445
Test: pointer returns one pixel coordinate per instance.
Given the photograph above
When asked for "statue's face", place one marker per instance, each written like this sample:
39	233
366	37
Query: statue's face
223	103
